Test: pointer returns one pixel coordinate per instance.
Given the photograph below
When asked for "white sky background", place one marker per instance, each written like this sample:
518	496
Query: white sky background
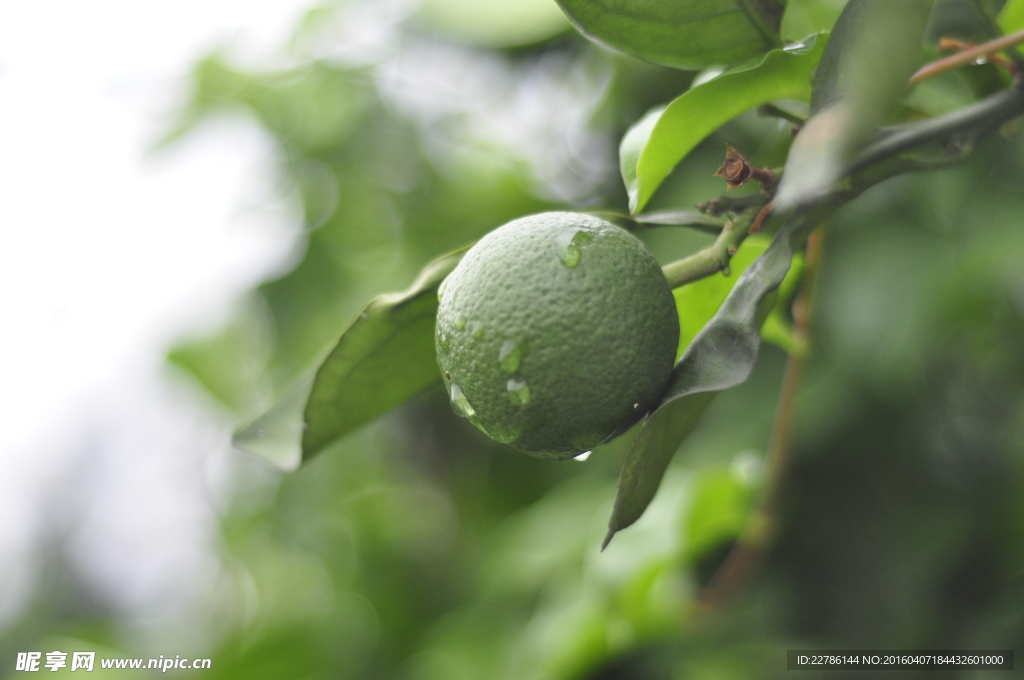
107	256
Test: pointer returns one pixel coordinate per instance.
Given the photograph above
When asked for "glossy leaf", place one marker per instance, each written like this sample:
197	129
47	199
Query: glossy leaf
687	218
874	49
782	74
1011	17
633	143
688	34
698	302
385	357
721	356
648	458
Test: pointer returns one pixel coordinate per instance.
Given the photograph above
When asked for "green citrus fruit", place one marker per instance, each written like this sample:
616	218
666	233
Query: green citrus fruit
555	333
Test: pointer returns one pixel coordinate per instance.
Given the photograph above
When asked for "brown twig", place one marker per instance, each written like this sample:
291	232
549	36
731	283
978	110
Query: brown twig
958	45
967	56
758	222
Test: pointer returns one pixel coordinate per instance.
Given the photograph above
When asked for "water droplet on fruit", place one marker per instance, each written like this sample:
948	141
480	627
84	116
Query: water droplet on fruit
583	456
509	356
460	324
571	256
572	253
460	403
518	392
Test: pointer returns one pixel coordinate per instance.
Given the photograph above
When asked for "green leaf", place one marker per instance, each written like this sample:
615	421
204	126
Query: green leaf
874	49
383	358
1011	17
778	326
782	74
687	218
648	458
494	23
633	143
687	34
698	302
722	355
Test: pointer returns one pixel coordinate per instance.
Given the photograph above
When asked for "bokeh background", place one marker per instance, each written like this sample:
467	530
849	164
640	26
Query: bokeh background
196	199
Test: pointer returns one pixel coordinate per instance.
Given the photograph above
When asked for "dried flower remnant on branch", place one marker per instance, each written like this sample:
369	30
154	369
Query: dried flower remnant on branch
737	171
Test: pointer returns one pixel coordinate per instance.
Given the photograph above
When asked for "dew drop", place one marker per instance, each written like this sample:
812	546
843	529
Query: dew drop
571	256
572	253
460	324
518	392
509	356
583	456
460	404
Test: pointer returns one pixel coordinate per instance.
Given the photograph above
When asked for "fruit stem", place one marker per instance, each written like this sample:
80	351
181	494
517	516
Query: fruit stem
713	259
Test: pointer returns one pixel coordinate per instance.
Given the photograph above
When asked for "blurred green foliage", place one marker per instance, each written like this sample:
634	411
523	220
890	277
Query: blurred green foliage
416	548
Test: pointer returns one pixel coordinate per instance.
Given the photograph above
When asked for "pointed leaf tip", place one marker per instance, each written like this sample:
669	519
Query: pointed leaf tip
385	356
275	436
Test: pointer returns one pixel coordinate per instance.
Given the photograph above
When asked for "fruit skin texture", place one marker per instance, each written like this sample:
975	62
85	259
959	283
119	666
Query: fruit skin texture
555	333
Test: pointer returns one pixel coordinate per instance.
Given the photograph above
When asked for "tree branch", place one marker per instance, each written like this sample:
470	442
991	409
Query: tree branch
969	124
1007	42
878	162
713	259
719	205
